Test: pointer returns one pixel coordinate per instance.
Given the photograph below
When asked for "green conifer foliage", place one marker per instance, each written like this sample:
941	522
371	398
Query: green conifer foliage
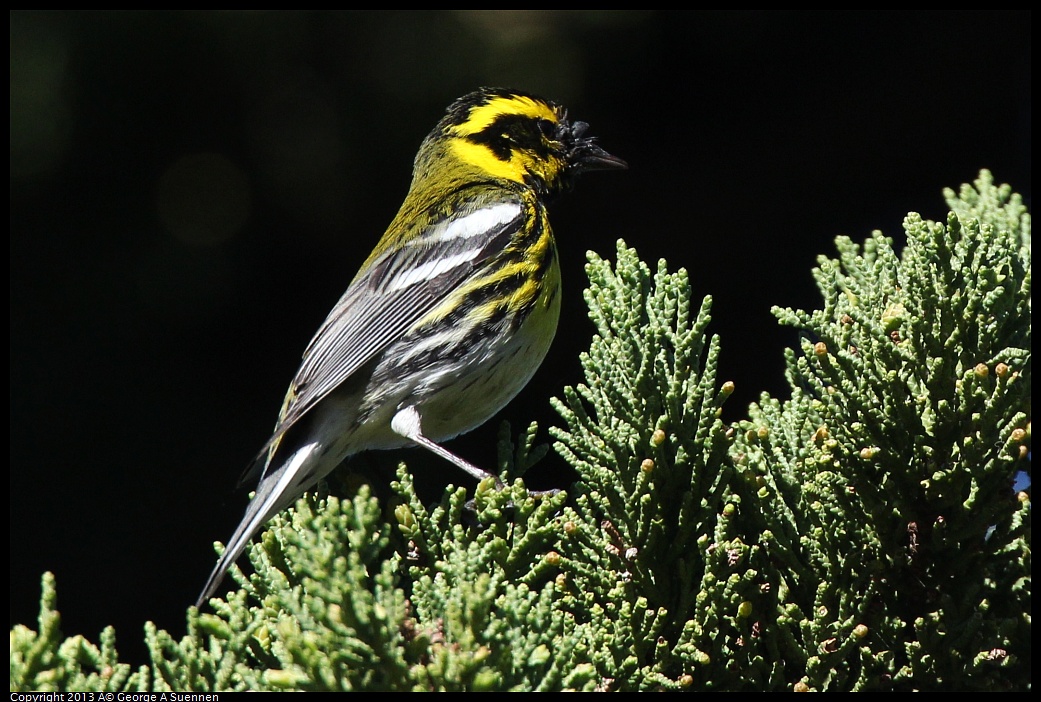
861	534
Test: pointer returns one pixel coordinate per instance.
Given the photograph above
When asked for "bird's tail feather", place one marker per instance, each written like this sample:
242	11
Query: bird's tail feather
276	491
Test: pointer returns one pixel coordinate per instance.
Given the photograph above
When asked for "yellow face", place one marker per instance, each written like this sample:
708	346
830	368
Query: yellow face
516	137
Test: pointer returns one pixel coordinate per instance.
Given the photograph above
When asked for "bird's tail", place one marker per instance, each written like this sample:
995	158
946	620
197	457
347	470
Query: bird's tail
276	491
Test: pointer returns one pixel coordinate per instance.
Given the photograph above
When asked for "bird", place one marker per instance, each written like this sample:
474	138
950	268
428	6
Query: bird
449	316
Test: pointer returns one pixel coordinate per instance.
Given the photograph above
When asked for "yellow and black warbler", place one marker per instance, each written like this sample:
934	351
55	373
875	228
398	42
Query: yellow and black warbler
450	315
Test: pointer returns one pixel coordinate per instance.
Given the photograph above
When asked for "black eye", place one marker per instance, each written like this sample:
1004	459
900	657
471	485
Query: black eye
548	128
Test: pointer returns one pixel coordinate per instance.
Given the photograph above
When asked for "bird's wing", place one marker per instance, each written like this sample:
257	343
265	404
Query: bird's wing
390	295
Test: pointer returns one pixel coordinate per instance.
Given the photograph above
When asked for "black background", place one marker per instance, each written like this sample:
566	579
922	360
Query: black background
192	191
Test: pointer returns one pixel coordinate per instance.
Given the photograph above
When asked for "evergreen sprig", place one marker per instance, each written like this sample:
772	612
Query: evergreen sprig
862	534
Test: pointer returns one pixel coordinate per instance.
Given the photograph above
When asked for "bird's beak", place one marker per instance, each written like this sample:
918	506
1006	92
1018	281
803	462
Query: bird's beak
586	155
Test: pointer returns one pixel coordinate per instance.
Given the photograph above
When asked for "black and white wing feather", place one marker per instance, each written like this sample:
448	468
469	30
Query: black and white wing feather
392	294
